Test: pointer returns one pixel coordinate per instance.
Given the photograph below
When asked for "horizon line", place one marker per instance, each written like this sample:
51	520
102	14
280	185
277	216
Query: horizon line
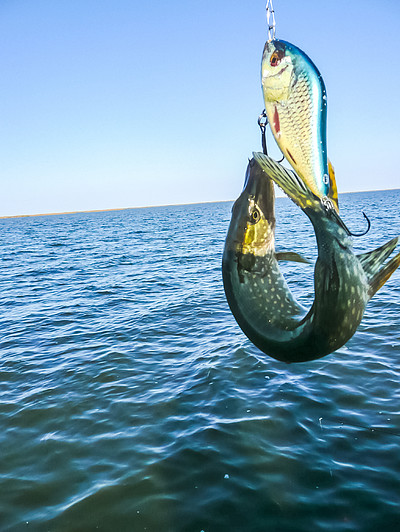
161	205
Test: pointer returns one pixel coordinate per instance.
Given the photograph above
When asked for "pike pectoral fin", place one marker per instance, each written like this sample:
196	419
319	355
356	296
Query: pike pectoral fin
373	260
291	256
379	279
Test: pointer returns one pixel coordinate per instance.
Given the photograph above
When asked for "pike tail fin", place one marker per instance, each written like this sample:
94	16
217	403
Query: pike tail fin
373	260
380	278
287	180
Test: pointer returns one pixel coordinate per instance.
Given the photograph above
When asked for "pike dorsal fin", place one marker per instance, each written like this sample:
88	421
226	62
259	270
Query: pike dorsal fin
373	260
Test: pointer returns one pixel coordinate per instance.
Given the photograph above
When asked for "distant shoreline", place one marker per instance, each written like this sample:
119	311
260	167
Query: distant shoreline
164	205
112	210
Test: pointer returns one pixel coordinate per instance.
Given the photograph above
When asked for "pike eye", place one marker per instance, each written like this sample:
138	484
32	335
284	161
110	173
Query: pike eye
255	216
276	58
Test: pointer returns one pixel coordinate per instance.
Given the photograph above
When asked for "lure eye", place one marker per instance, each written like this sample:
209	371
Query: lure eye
276	58
255	216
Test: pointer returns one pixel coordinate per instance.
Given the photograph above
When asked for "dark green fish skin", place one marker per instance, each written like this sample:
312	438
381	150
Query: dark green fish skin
256	289
257	292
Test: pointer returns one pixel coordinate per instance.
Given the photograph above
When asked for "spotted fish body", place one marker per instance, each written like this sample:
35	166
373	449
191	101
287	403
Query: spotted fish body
253	281
257	292
295	103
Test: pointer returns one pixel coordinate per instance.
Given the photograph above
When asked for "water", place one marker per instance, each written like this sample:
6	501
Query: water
130	400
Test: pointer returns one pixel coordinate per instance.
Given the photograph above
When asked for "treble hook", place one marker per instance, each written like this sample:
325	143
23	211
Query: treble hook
263	122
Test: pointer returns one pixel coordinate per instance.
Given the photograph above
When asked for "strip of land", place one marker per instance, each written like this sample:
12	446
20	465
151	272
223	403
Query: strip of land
166	205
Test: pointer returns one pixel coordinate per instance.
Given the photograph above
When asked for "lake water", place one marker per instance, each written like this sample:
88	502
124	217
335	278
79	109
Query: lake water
130	400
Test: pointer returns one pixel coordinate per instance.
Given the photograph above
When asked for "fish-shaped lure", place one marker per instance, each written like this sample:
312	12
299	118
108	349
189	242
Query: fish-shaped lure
257	292
295	104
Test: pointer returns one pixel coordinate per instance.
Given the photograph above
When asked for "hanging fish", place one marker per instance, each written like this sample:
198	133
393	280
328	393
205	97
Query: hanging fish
295	104
257	292
254	284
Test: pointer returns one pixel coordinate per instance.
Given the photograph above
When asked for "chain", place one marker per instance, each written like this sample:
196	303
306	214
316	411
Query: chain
270	20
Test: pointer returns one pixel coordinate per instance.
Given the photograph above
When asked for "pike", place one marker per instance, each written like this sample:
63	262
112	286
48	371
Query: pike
256	290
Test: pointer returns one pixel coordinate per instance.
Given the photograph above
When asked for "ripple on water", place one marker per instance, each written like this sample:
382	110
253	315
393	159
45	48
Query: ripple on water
130	399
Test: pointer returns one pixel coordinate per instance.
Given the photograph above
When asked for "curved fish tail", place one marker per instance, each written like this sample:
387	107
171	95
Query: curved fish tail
373	260
288	181
380	278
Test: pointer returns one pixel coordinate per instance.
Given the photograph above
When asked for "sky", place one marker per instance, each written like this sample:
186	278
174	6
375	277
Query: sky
109	104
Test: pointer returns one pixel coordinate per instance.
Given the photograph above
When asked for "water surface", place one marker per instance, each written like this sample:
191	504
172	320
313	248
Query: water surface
130	400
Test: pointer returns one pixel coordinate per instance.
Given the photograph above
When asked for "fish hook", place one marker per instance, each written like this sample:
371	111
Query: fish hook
344	226
263	122
366	231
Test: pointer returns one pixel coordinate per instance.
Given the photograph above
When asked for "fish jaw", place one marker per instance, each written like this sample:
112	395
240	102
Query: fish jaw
252	229
295	104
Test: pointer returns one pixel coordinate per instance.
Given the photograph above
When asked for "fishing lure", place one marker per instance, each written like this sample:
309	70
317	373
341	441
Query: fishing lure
256	290
295	104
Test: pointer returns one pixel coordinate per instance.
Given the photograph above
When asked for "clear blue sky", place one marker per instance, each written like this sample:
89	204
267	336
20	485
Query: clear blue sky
121	103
